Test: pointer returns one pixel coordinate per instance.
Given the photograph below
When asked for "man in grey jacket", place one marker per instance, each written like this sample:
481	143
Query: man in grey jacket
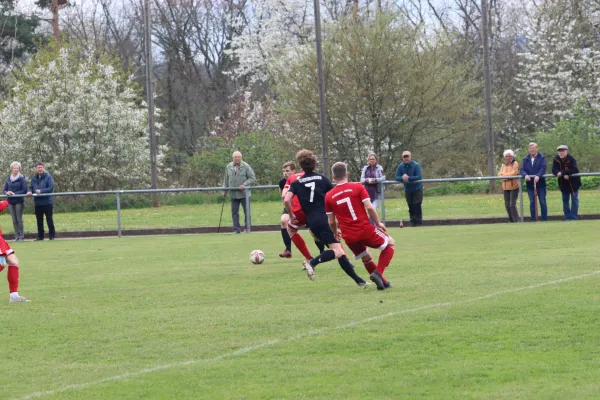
238	174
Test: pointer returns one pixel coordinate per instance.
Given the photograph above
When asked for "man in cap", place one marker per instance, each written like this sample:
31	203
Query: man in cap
409	172
563	167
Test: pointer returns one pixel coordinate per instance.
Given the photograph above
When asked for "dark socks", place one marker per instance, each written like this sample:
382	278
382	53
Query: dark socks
323	257
349	269
286	239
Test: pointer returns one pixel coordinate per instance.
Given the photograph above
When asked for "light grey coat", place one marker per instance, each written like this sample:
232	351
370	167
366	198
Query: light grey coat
244	176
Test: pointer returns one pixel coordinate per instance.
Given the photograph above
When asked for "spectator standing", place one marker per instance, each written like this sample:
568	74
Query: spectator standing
16	183
510	167
371	176
41	183
408	172
564	166
238	174
533	169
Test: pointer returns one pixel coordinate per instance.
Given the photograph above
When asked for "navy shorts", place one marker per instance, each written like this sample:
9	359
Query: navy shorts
322	231
284	211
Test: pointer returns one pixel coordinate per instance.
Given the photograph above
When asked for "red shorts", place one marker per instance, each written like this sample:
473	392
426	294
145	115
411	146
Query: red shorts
301	217
5	249
375	239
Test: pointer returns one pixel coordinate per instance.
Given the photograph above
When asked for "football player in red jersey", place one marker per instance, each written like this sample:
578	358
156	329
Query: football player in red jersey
349	203
289	168
12	273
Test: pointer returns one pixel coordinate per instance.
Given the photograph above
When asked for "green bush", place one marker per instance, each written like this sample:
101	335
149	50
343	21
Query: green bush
444	189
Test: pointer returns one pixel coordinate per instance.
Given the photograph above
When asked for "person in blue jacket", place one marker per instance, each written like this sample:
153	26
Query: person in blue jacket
42	183
408	172
16	183
533	169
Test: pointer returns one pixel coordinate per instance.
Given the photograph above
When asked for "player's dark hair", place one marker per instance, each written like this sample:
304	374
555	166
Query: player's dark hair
40	163
339	170
290	164
307	160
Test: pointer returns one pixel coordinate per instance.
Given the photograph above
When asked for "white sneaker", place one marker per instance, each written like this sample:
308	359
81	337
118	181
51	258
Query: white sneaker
310	272
19	299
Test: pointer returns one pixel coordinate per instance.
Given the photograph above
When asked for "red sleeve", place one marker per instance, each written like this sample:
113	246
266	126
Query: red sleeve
364	195
3	205
328	208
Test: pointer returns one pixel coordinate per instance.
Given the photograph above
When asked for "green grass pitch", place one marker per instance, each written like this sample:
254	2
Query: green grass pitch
476	312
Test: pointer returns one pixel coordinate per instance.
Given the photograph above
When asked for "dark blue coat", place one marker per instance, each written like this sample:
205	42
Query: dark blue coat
538	168
19	186
413	170
45	184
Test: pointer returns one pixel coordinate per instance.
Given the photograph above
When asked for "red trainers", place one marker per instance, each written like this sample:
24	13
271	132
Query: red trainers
286	254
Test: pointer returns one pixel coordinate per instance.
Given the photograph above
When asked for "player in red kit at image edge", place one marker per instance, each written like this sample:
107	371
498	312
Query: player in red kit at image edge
12	272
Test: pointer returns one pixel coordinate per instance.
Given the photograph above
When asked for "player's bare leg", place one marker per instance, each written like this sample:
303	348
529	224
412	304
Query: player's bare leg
12	275
287	253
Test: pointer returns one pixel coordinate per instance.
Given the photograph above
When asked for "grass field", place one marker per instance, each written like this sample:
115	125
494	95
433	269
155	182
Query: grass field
476	312
266	213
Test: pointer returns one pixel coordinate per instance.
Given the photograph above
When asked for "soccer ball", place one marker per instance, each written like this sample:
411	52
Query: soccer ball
257	257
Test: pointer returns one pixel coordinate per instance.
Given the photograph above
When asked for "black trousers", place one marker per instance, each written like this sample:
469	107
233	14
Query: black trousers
414	201
235	213
40	211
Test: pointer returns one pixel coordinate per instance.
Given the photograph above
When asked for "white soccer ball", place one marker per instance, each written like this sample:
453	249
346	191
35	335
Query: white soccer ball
257	257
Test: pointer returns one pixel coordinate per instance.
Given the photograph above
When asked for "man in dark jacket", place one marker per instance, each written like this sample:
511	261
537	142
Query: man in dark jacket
408	172
563	166
42	183
533	169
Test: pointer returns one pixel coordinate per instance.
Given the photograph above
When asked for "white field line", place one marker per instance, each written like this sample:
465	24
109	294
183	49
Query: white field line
249	349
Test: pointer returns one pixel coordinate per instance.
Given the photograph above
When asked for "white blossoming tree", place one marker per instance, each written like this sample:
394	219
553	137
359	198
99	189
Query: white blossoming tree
278	31
75	110
559	70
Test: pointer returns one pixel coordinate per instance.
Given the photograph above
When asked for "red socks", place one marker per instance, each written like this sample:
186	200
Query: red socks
370	265
385	258
301	245
13	278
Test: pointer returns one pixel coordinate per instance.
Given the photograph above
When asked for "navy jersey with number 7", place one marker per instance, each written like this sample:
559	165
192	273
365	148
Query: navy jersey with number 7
311	190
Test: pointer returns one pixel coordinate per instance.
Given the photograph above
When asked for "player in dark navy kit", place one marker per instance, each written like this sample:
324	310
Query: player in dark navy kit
311	190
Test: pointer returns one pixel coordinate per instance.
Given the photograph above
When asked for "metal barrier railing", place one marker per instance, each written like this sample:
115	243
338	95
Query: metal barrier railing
247	191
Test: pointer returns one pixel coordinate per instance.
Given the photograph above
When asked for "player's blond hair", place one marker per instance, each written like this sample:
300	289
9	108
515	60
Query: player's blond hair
290	164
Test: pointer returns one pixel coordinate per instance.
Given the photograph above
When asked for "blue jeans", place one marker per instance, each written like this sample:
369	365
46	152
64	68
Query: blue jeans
541	194
570	212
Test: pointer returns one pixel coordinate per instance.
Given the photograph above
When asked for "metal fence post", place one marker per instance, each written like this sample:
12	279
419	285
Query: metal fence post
382	201
248	212
521	198
118	214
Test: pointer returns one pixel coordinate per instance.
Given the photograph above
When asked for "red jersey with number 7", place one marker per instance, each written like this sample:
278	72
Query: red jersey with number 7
346	202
